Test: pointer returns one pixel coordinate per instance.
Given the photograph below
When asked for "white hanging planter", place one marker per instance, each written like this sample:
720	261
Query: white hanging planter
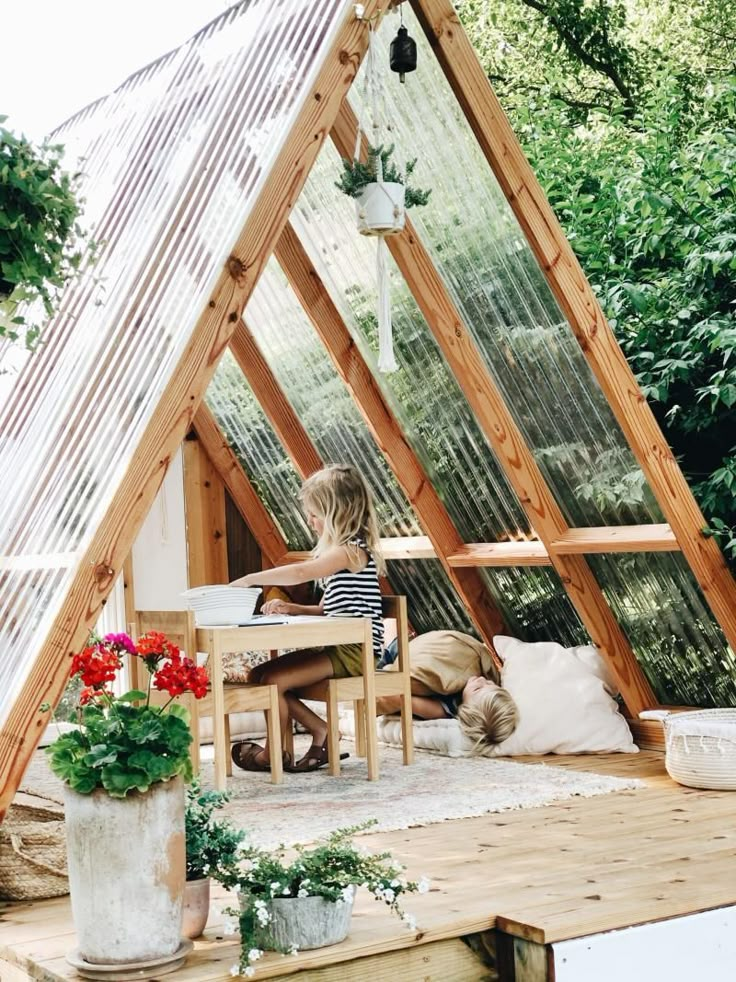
380	209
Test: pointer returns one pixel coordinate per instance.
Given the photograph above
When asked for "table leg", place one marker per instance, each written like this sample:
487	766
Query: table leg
222	749
369	693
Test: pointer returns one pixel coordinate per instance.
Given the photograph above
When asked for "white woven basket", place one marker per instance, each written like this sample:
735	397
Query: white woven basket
701	748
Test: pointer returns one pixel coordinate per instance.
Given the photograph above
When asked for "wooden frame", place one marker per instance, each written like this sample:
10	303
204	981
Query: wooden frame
204	509
113	538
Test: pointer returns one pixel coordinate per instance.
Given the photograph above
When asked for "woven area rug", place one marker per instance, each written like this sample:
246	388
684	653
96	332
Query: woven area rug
433	789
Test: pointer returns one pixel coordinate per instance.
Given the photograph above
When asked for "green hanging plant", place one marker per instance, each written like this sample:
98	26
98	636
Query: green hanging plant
42	246
356	175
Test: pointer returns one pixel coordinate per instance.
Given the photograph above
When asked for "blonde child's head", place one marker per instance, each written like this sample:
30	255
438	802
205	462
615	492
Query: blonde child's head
340	499
488	715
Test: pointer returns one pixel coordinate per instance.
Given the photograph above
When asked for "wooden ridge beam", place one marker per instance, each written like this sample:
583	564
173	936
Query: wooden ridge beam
267	534
500	430
274	403
379	418
111	541
579	304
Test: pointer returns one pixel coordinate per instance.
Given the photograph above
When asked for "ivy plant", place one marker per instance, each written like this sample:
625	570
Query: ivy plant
42	245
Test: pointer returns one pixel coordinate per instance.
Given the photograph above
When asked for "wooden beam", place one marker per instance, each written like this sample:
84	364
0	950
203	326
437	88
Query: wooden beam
273	402
111	541
580	305
616	538
204	508
379	418
268	536
503	435
530	553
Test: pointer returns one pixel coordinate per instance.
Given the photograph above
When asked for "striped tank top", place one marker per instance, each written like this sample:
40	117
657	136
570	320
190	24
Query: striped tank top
349	594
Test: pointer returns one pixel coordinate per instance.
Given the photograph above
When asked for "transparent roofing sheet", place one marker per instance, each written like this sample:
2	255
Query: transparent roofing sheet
173	160
322	402
432	601
494	280
677	642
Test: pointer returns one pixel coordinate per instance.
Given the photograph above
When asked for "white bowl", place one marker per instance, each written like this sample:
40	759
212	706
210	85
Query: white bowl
217	605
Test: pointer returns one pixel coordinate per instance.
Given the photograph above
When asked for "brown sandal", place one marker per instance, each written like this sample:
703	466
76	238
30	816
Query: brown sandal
244	756
314	758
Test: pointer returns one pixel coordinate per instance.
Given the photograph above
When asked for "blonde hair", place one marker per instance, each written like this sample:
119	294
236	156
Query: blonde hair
340	496
489	719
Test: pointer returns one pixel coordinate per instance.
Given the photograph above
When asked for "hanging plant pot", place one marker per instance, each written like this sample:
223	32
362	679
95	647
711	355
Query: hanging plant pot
380	209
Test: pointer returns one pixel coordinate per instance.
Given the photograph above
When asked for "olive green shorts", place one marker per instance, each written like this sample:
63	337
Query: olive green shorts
347	660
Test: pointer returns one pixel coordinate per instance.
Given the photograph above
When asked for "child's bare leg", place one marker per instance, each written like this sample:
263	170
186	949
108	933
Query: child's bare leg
293	671
309	720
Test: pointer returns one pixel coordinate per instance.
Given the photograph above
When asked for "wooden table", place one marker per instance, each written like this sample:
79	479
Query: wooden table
299	632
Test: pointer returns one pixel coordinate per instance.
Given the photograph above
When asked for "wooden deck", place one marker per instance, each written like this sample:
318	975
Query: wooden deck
570	869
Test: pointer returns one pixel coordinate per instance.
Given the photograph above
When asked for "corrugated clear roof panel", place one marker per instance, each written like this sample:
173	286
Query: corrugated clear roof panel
174	159
323	404
259	450
428	403
534	605
431	599
678	644
494	280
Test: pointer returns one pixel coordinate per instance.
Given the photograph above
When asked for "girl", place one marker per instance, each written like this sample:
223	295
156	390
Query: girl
339	509
453	676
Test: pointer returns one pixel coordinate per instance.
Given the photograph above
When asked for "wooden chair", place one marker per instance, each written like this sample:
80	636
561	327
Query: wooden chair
362	690
179	627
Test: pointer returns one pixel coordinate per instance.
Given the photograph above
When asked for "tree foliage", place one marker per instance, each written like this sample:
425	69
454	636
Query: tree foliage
627	111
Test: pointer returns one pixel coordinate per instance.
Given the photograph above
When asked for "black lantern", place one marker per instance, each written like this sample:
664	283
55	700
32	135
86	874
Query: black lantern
403	53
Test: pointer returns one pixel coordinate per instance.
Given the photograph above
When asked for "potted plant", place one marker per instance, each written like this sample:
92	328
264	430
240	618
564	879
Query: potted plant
124	768
306	901
381	191
41	242
213	849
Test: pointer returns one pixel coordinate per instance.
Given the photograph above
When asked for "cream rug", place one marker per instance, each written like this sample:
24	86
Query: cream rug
432	789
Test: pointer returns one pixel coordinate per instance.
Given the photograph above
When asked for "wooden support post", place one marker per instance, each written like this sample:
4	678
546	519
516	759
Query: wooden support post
287	425
227	465
579	304
382	423
507	441
113	537
204	507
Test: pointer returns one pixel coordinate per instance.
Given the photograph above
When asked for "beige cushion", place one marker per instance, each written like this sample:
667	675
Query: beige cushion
445	660
564	700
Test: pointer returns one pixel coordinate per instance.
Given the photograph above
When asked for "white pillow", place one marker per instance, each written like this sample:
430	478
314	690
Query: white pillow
564	701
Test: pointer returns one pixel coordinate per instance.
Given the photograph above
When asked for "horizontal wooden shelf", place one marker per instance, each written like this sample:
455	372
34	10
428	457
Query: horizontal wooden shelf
617	538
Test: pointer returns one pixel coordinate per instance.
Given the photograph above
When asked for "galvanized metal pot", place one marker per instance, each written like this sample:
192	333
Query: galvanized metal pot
127	869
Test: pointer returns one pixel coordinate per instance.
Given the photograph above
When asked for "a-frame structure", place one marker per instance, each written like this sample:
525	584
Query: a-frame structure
195	169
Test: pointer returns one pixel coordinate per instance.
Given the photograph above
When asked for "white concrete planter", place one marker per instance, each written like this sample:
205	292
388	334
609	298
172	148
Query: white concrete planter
196	907
126	872
380	209
308	922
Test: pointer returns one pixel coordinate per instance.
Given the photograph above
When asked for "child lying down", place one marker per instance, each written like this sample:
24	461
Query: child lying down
453	676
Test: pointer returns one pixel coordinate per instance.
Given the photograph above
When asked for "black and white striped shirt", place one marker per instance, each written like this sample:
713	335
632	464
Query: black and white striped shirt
349	594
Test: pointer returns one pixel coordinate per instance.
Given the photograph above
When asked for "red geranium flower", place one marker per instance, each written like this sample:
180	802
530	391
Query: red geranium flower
153	647
179	675
96	665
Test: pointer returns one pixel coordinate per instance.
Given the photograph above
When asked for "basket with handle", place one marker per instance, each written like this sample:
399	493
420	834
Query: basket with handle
701	748
33	849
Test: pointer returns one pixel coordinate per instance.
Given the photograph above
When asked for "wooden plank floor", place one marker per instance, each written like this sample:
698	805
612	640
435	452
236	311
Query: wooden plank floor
566	870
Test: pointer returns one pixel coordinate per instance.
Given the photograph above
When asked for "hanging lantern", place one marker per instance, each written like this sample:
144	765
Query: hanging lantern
403	53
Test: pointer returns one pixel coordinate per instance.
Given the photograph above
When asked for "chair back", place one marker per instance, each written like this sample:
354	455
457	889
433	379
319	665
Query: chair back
177	625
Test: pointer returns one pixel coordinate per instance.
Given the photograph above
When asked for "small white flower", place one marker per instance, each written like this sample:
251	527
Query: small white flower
286	891
249	972
395	883
410	921
237	888
305	881
302	892
389	895
294	950
229	927
423	885
234	970
259	904
254	954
